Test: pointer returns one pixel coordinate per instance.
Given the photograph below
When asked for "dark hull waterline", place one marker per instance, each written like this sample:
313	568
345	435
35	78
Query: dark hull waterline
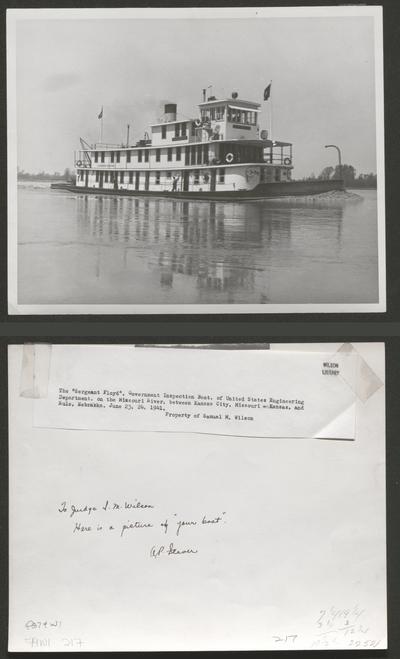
261	191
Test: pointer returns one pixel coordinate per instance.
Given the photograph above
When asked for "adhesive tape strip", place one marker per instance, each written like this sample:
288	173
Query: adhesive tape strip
365	382
35	370
355	371
36	359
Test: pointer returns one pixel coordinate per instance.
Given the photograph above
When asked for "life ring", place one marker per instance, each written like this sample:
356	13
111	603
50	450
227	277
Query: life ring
287	161
79	163
197	123
229	157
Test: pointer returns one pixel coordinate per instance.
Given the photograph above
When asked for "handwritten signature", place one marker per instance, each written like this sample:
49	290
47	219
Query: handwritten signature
170	550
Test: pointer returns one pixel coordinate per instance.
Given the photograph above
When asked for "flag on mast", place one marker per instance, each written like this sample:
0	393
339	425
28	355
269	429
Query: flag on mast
267	92
100	116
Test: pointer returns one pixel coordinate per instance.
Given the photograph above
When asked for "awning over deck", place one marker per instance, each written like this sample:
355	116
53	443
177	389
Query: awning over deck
269	143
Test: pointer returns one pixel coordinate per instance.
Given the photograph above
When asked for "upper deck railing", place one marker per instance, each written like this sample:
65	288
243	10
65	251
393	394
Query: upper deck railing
228	152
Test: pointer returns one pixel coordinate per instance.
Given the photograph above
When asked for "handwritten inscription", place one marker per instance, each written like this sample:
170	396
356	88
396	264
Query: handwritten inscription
110	517
333	617
333	628
43	624
344	627
36	643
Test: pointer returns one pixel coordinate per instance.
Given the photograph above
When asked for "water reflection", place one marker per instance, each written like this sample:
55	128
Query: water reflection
226	247
83	249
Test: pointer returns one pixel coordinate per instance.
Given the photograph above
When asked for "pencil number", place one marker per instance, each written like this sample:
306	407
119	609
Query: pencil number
288	639
74	643
368	643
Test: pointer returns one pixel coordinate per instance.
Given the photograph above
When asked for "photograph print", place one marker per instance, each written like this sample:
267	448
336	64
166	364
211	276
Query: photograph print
225	160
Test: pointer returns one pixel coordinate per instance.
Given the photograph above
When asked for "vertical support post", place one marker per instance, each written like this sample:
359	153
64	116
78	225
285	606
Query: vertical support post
333	146
270	113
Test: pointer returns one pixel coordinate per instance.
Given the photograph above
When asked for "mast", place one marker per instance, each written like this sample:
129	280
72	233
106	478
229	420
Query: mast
270	115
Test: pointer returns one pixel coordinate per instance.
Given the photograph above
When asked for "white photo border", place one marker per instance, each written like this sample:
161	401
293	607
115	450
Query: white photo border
14	15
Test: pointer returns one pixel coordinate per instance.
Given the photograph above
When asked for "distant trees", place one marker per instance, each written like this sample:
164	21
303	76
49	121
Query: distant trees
348	173
326	173
43	176
366	181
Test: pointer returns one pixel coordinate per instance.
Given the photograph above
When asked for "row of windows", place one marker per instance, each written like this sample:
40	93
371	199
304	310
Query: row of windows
242	117
139	155
197	155
142	155
268	174
234	115
114	177
178	154
216	113
130	177
180	131
194	155
115	156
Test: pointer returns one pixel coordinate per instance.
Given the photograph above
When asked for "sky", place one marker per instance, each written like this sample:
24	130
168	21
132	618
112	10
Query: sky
322	72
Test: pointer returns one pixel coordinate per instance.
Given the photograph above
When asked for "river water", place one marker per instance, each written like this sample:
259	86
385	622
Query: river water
88	249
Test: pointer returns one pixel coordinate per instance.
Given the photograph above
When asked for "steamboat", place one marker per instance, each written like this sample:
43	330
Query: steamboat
222	154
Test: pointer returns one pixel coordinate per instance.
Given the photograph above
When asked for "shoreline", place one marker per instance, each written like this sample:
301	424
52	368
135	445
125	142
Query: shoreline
332	197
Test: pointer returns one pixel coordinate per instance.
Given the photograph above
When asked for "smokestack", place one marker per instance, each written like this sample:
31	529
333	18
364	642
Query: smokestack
170	111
